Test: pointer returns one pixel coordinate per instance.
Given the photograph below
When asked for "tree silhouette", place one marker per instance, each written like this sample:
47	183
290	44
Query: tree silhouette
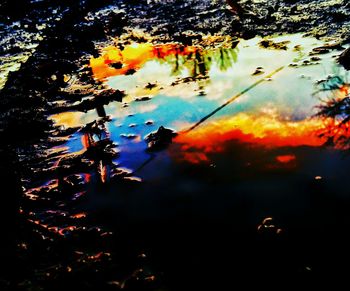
335	111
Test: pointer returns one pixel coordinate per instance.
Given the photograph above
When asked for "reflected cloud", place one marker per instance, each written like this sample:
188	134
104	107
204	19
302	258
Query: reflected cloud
264	130
114	61
68	119
73	119
284	159
147	108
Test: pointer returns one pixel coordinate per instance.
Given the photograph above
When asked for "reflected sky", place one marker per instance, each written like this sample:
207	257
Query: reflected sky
184	84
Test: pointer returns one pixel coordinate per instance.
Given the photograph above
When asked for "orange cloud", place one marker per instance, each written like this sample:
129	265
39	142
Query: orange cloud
195	157
264	130
68	119
132	57
285	158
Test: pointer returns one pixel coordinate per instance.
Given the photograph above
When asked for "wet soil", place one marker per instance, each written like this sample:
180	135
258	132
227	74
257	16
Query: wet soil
186	20
59	232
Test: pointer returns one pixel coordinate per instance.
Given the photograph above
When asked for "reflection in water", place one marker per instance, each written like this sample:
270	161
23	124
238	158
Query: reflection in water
197	61
259	156
286	158
266	129
232	99
99	147
334	87
335	111
163	83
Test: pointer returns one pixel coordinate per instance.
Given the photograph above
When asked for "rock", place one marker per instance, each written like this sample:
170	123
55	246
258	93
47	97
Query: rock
344	59
267	227
258	71
160	139
315	59
130	72
144	98
111	94
319	51
270	44
117	65
150	86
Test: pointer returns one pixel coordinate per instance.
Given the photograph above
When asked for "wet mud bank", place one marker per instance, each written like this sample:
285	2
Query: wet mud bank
181	19
104	195
27	136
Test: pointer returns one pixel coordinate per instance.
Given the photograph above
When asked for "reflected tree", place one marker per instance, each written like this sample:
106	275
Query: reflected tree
225	58
99	148
199	61
196	62
335	111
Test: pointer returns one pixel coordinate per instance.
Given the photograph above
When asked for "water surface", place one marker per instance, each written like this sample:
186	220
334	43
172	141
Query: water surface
197	205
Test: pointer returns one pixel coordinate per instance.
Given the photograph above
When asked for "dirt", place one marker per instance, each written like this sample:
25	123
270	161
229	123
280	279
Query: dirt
189	20
44	55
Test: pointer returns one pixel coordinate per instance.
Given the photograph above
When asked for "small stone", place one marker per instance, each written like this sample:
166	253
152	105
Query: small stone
258	71
150	86
144	98
315	59
160	139
267	227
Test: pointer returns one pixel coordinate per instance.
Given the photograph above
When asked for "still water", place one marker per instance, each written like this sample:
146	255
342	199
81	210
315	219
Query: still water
197	204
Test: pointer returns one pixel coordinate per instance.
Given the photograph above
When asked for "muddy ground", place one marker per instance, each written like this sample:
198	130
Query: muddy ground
41	42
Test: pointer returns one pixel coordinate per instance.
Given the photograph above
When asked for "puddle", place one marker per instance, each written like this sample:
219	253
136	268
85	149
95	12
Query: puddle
180	165
176	86
246	124
249	146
